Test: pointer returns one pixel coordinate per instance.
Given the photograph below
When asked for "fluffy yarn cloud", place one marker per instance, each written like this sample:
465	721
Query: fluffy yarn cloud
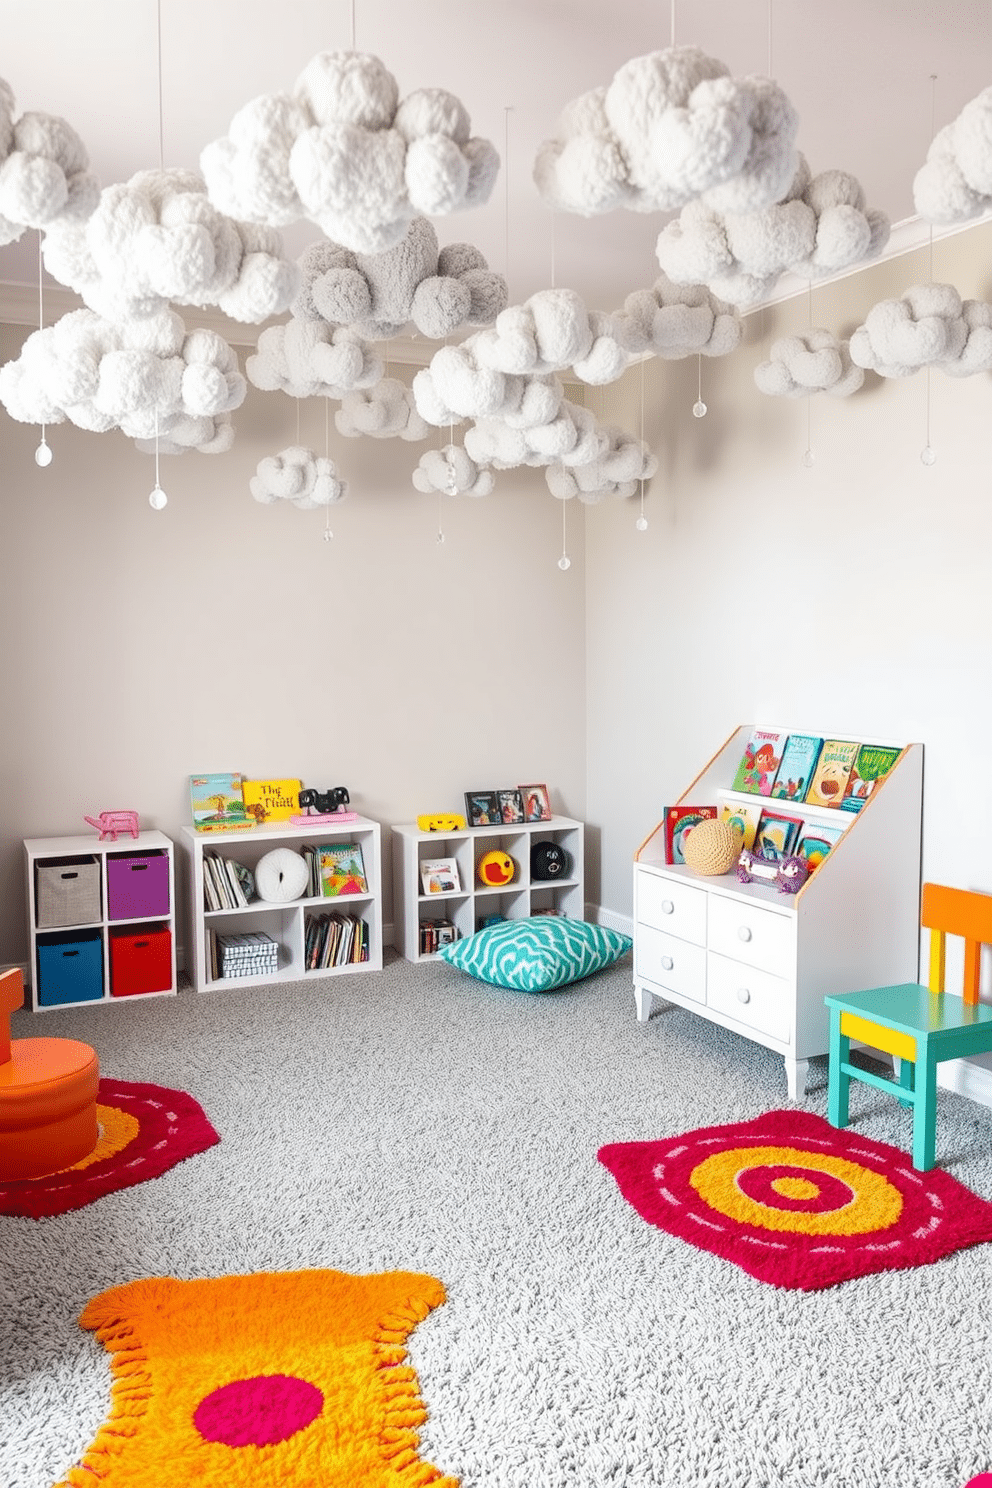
616	471
308	359
549	332
955	184
385	411
671	127
816	362
44	171
929	326
571	437
297	475
453	472
158	239
822	226
144	377
345	152
455	387
678	320
378	294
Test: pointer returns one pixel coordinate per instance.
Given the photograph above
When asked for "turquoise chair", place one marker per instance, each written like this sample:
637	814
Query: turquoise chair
919	1026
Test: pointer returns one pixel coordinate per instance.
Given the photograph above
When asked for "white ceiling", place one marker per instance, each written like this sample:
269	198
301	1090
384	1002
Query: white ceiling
859	73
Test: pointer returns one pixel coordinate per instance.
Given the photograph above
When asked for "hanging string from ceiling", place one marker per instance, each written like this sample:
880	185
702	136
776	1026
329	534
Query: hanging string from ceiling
928	455
158	499
642	522
43	454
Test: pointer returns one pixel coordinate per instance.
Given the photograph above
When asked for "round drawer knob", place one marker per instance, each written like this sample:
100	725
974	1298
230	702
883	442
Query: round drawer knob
743	995
667	962
667	907
743	933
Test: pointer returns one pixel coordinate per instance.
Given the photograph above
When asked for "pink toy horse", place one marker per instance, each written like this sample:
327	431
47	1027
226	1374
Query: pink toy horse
109	823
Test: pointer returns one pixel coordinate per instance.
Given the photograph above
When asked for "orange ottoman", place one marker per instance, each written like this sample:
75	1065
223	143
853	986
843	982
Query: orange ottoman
48	1092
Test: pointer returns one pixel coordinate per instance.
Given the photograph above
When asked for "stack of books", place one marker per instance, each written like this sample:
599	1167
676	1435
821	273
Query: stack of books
335	940
434	934
251	955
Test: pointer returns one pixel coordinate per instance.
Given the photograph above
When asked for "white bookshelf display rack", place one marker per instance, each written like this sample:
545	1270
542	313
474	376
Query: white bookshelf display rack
101	919
468	906
285	923
759	961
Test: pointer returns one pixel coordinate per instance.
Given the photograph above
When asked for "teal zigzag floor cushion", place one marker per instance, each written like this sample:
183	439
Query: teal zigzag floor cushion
537	955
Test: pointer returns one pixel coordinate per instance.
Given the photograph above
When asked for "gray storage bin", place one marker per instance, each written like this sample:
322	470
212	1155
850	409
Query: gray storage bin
67	892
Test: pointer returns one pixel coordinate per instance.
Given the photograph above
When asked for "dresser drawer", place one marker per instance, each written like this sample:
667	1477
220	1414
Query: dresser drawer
677	908
750	997
670	963
746	932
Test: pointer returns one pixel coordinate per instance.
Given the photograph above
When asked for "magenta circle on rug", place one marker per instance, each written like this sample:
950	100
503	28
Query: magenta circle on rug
871	1210
258	1412
171	1126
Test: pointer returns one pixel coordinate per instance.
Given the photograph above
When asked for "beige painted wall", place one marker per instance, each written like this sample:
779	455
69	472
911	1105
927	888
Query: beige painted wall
140	647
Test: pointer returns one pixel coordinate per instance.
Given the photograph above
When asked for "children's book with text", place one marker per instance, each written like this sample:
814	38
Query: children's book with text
760	761
217	803
776	835
271	800
873	763
833	770
745	817
679	822
816	840
796	768
342	870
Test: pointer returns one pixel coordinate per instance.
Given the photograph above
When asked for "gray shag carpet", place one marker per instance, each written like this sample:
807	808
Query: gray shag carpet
414	1119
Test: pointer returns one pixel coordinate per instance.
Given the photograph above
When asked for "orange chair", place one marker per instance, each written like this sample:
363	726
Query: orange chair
48	1089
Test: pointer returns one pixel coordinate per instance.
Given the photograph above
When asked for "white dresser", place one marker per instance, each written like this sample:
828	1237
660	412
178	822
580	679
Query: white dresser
760	962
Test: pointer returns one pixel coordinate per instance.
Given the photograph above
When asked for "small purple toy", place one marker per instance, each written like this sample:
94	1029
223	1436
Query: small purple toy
752	865
792	874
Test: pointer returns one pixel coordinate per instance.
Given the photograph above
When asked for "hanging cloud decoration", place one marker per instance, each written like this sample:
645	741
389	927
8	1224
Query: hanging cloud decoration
671	127
297	475
309	359
44	171
158	239
453	472
618	471
378	294
821	227
385	411
455	387
141	376
210	436
343	151
955	184
549	332
929	326
678	320
816	362
572	437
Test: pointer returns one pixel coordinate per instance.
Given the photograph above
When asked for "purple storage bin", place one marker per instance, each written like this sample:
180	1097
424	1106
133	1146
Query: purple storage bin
137	887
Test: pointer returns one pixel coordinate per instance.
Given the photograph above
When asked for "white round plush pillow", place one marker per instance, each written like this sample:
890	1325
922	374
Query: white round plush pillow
281	875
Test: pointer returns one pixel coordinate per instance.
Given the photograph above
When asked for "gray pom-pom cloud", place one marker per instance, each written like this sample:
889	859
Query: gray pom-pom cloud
384	411
453	472
44	171
673	321
816	362
308	359
616	471
297	475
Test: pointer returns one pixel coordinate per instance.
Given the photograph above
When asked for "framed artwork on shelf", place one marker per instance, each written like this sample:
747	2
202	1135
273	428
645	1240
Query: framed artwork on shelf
482	809
440	876
537	802
511	806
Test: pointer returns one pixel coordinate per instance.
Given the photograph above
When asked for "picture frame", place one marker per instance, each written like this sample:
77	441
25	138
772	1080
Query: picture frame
511	805
440	876
537	803
482	809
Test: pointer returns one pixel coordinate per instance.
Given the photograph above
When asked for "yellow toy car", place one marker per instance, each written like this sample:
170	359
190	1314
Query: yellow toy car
443	821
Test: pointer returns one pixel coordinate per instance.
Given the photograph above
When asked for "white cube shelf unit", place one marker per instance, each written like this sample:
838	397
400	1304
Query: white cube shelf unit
286	923
760	962
101	919
468	906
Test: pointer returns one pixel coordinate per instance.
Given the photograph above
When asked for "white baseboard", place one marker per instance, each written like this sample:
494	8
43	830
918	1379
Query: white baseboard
610	918
966	1078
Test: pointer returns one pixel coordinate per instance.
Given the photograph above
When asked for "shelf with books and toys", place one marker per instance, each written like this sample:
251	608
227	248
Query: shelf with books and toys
758	957
334	924
448	884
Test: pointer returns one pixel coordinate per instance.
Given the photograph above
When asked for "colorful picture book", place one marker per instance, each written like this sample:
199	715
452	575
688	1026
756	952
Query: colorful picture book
271	800
873	763
217	803
342	869
439	876
745	817
795	770
760	761
777	834
679	822
833	770
816	841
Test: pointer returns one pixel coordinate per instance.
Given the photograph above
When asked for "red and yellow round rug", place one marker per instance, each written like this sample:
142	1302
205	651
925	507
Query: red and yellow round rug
144	1131
796	1202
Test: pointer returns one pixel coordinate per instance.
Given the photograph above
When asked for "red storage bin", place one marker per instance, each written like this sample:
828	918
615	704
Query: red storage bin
140	962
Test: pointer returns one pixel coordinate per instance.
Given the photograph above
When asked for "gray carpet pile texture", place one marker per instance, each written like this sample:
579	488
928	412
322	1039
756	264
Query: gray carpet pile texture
414	1119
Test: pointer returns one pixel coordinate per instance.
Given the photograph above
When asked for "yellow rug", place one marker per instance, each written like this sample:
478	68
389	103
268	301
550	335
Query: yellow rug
275	1380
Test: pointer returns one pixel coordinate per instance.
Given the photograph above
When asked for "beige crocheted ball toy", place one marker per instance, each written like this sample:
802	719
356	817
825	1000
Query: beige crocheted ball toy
712	847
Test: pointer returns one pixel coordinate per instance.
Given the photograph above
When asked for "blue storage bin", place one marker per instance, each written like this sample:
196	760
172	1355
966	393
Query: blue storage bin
70	968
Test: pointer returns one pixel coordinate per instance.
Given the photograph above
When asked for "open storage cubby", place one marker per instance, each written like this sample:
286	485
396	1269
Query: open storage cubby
467	908
759	961
285	923
101	919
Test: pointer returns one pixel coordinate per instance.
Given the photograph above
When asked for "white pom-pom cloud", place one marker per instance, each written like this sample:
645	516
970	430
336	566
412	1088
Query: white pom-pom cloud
955	184
671	127
453	472
928	326
44	171
616	471
549	332
673	321
297	475
816	362
378	294
384	411
308	359
158	239
343	151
